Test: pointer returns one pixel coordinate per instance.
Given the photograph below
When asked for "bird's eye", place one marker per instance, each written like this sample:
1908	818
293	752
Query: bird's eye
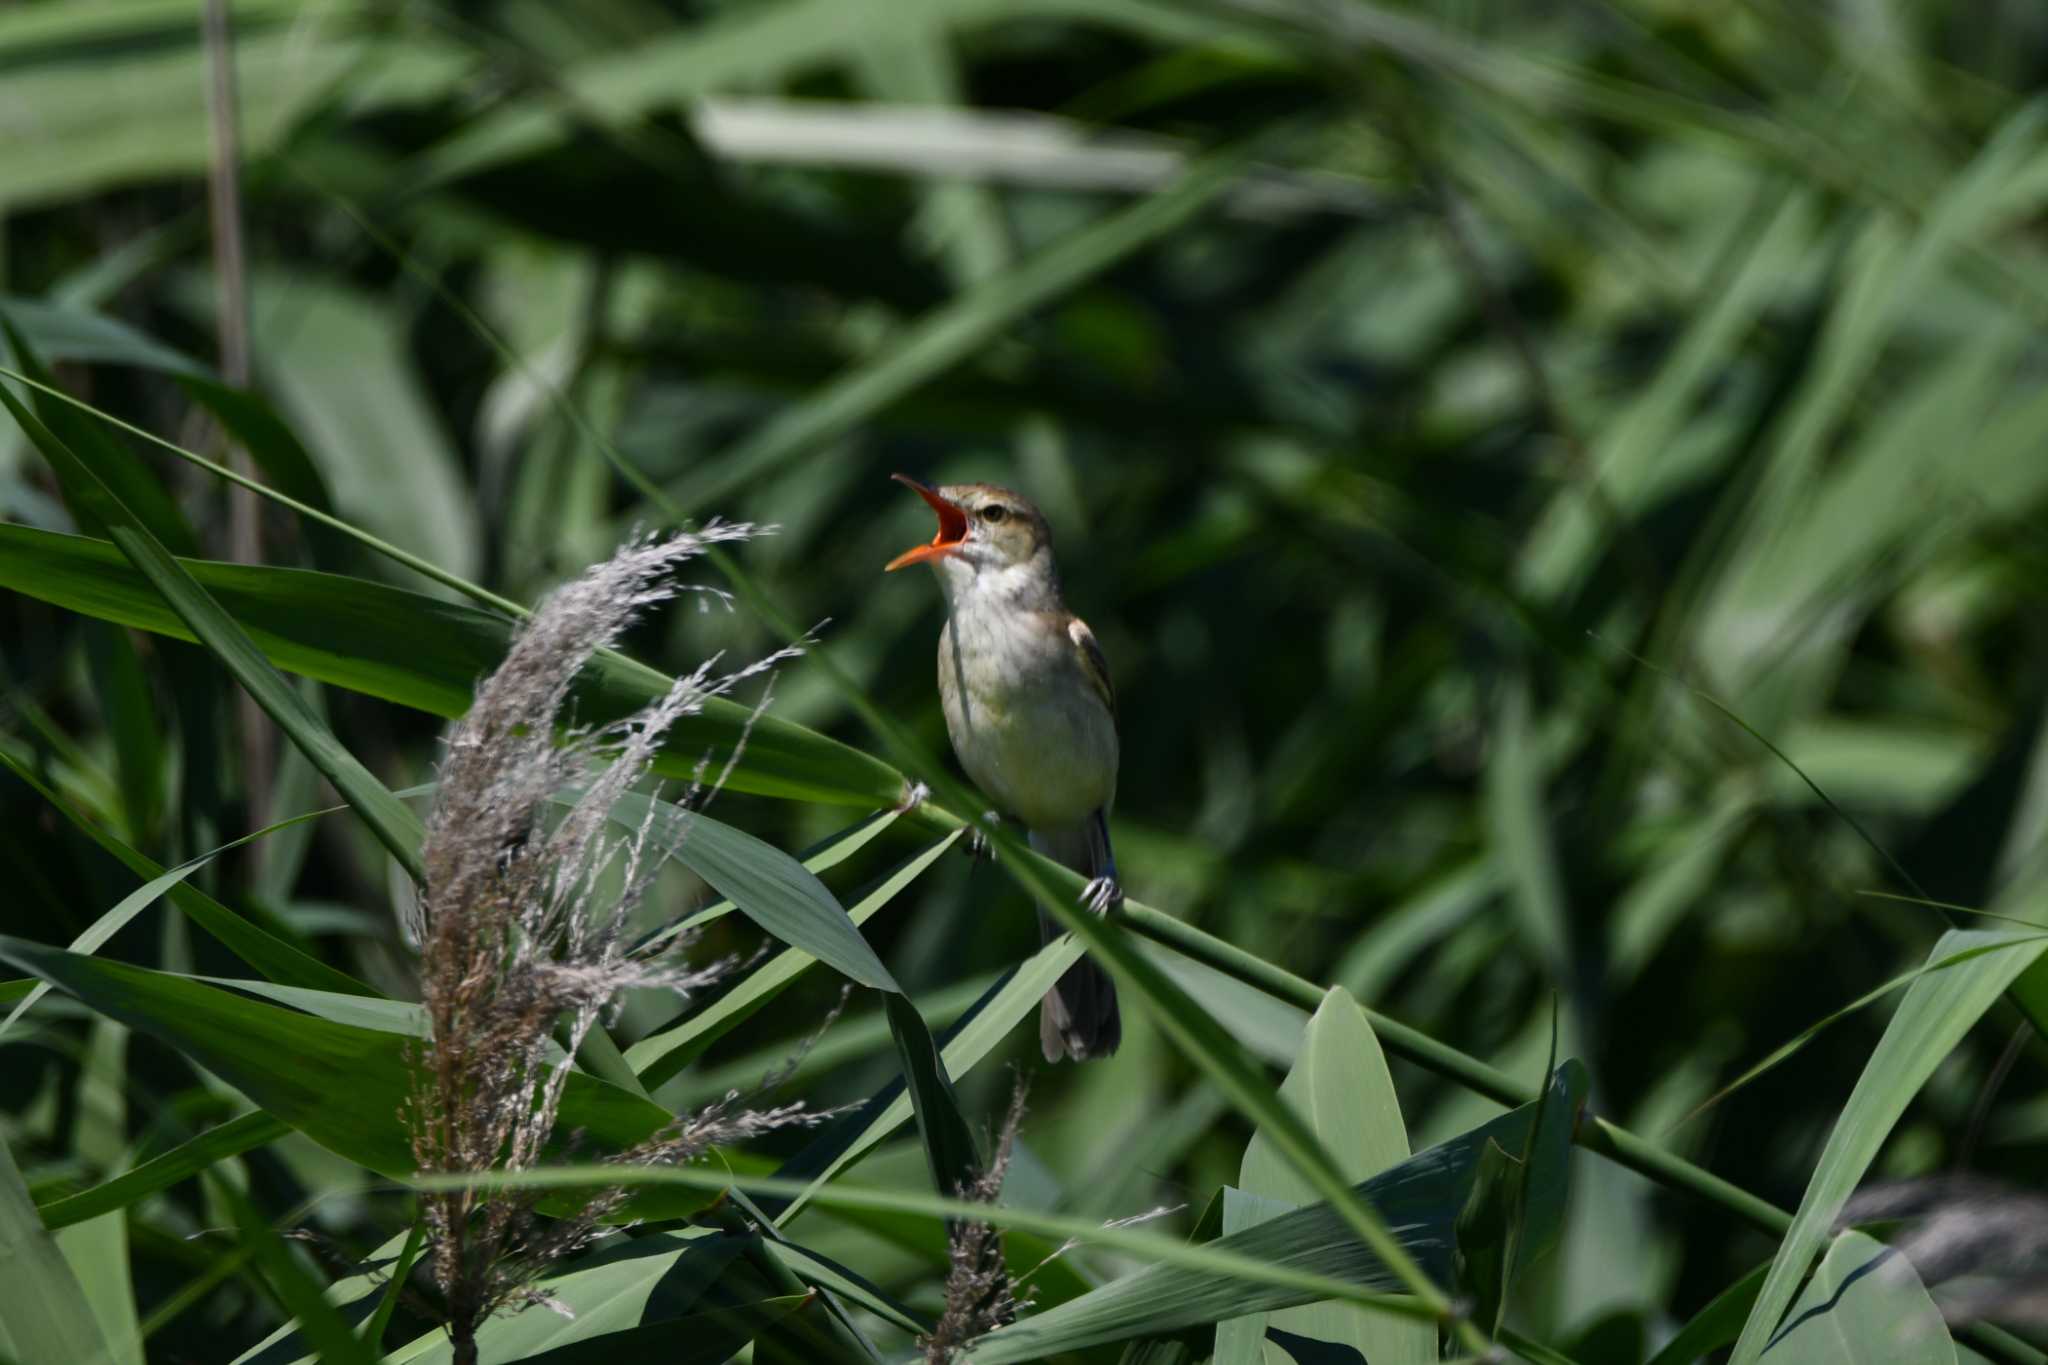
994	513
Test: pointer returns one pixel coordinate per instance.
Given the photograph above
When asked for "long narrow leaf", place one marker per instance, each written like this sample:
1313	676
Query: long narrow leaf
1937	1011
244	1133
427	654
43	1312
394	824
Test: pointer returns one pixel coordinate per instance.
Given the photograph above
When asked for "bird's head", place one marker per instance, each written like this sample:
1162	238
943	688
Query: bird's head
983	530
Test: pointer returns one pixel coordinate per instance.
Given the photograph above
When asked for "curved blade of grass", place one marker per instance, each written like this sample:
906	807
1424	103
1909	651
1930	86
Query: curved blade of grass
655	1059
949	334
1806	1035
303	1296
294	1065
772	889
373	1330
1299	1258
1937	1011
970	1039
426	653
1210	1257
1204	1042
43	1312
950	1150
282	962
351	1297
1421	1197
1716	1325
244	1133
828	852
135	902
395	826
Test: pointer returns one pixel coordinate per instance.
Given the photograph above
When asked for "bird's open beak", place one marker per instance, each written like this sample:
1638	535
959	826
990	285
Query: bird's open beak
952	527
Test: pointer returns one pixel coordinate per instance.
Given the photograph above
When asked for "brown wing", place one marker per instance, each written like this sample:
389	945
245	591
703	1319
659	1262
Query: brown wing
1093	664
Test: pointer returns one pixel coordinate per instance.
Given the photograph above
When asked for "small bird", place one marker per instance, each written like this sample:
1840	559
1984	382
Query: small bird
1032	717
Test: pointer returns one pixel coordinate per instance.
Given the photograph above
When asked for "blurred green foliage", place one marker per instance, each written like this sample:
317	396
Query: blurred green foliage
1443	413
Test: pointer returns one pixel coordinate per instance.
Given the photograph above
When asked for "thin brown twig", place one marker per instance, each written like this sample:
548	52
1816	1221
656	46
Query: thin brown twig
231	286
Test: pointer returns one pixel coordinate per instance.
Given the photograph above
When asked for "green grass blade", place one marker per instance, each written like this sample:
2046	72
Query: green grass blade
387	1304
658	1058
772	889
278	960
1716	1325
293	1064
966	1043
425	653
244	1133
951	333
135	902
302	1295
1937	1011
394	824
43	1312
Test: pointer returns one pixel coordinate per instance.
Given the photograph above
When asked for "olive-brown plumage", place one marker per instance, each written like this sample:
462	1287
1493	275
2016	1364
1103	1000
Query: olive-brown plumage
1031	714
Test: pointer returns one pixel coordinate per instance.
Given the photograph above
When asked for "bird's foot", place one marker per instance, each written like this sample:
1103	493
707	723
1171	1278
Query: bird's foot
915	795
979	845
1102	895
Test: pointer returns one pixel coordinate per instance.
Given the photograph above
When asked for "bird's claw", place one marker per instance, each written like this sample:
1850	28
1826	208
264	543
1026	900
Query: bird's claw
1102	895
979	845
915	795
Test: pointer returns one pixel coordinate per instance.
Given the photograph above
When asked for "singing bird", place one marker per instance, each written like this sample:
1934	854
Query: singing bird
1032	717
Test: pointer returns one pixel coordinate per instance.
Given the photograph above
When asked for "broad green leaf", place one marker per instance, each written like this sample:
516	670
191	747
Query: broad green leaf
428	654
241	1134
772	889
1863	1304
659	1057
707	1338
43	1312
1938	1010
1340	1086
950	1150
1485	1231
395	826
293	1064
1420	1198
624	1284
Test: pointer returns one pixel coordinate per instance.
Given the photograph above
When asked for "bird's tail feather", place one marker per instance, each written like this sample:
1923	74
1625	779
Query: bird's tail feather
1078	1017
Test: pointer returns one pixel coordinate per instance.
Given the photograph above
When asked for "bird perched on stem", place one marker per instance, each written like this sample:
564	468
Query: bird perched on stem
1032	717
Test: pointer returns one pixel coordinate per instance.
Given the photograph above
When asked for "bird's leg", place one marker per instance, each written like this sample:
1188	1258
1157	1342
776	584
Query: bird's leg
1105	893
978	844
